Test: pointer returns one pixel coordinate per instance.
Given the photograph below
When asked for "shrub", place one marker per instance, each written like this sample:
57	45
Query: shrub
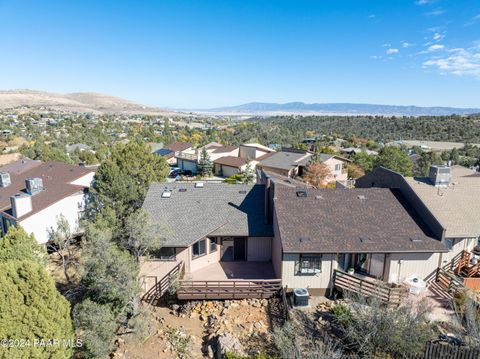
376	329
96	325
32	308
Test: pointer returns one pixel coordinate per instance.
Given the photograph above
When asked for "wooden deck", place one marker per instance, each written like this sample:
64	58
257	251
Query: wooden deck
369	288
228	289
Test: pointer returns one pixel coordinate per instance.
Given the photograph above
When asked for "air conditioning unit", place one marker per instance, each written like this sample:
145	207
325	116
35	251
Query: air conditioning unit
300	297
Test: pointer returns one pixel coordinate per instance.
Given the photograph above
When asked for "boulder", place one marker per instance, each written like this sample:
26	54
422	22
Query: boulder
228	343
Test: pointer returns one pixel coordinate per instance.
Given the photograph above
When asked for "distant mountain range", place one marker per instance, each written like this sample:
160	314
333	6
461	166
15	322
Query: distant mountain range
301	108
83	102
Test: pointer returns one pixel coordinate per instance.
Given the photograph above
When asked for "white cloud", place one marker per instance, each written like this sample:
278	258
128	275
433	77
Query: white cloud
458	61
436	12
474	20
392	51
407	44
437	36
435	48
423	2
386	45
371	16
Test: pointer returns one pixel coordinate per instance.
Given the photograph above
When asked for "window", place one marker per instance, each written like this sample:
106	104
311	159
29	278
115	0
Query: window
338	167
165	254
213	245
198	249
449	244
308	264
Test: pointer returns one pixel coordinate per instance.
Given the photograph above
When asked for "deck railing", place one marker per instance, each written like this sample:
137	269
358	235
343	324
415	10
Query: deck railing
186	156
228	289
368	288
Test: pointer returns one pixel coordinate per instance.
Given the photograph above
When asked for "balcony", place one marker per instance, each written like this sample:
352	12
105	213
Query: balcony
186	156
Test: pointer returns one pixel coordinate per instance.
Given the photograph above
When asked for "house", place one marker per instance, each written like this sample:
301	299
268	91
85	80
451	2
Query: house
170	151
338	166
355	150
214	229
288	162
188	159
292	162
447	200
77	146
373	231
34	194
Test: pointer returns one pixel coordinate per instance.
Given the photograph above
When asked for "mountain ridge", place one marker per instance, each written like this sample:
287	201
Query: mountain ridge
341	108
83	102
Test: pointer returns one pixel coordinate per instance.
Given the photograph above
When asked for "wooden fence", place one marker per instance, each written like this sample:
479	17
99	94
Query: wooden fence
447	351
228	289
168	283
368	288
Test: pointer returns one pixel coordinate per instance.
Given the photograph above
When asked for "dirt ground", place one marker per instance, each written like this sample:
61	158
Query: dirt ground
203	322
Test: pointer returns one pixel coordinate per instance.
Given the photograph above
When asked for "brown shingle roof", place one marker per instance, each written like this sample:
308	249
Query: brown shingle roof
231	161
178	146
350	220
56	178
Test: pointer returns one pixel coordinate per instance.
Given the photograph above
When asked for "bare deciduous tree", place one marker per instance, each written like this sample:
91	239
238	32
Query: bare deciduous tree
60	241
317	174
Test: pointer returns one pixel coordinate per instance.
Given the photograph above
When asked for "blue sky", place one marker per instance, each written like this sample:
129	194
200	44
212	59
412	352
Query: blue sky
205	53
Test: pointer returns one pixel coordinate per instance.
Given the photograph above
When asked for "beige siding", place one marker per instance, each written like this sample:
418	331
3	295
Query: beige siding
259	249
321	280
403	265
205	260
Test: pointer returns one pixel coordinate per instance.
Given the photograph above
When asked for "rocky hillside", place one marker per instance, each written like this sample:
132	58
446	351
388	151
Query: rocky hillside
28	100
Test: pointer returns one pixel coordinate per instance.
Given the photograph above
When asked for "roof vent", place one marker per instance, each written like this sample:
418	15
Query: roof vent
361	196
304	239
166	194
301	193
199	184
318	196
34	185
416	240
182	190
242	192
5	180
365	240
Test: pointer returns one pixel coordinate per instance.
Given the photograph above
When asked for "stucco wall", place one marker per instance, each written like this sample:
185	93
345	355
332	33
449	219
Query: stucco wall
336	175
459	244
41	222
259	249
228	171
85	180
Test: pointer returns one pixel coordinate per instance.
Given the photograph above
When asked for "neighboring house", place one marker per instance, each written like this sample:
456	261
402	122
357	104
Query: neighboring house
448	200
338	166
170	151
34	194
288	162
188	159
373	231
207	224
292	163
229	165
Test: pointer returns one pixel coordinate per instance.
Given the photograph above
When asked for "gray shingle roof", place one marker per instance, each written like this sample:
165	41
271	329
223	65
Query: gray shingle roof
350	220
285	160
218	209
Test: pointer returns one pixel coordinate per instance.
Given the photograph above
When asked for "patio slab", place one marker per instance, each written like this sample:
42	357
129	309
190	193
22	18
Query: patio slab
234	270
